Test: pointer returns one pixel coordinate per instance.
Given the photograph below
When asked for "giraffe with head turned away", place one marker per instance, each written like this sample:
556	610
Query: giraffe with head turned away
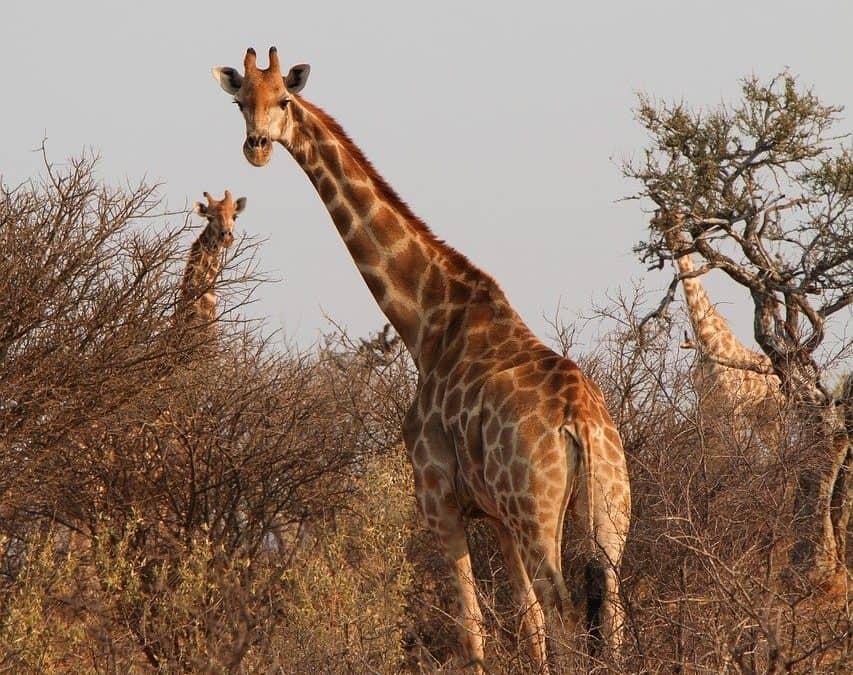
740	382
501	426
197	297
731	378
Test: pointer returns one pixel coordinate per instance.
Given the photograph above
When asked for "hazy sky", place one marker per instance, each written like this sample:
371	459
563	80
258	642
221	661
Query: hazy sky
502	128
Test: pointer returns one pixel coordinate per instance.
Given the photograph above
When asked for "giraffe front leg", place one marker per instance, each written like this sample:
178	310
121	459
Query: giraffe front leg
470	618
532	616
445	521
434	469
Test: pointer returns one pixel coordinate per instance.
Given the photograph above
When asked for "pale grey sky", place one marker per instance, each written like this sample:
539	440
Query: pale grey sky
502	126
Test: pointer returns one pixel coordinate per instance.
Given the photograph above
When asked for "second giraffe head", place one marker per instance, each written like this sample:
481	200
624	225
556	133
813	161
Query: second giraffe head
221	216
264	97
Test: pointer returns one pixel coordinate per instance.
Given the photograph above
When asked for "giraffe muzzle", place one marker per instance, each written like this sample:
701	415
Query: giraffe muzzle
257	149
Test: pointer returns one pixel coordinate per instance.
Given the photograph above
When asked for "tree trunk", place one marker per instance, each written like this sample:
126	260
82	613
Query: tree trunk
822	504
842	500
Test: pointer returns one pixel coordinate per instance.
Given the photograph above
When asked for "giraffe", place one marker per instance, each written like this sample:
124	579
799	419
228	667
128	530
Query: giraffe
197	297
501	427
843	489
727	371
195	310
196	306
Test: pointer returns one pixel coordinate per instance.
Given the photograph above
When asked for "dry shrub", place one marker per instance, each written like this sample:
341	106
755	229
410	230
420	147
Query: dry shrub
174	503
39	629
706	580
176	471
347	588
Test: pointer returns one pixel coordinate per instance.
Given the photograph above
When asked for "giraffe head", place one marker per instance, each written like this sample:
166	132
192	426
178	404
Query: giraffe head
264	97
221	216
669	226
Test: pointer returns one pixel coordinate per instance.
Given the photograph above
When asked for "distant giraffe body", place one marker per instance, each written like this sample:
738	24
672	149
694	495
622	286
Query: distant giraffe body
196	309
727	374
501	427
197	298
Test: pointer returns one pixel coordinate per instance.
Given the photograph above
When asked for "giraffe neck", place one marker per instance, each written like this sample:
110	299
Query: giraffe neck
713	332
419	282
203	265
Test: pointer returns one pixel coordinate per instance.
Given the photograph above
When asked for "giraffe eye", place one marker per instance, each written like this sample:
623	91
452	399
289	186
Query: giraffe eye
283	103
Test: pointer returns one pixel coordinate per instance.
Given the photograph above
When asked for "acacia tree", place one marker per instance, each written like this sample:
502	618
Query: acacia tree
763	191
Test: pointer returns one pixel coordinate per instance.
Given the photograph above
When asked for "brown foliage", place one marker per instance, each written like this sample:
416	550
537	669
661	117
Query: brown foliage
762	190
239	507
161	483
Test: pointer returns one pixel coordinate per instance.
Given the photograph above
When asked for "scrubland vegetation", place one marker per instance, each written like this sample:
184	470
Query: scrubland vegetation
177	501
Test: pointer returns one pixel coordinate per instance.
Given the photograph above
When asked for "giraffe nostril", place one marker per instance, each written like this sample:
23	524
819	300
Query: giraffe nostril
258	141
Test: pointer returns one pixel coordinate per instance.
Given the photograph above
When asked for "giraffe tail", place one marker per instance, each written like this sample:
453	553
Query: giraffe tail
595	574
582	462
595	582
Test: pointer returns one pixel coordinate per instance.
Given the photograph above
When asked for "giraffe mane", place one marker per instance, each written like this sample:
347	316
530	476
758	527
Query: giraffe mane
390	195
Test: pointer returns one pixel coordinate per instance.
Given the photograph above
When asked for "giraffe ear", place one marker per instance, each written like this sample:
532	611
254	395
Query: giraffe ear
229	79
200	209
240	204
297	77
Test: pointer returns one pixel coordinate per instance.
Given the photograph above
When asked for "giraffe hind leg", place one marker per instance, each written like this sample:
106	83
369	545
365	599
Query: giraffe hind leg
541	557
605	612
